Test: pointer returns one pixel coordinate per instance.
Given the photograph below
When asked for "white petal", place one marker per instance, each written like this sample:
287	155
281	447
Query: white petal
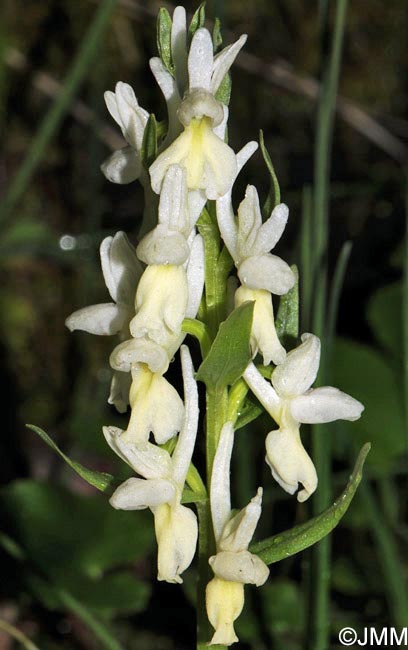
224	602
104	319
195	276
220	129
263	333
176	533
238	531
148	460
139	493
220	166
249	221
267	272
121	268
119	391
161	302
224	60
163	246
179	47
271	231
200	60
123	166
173	201
126	354
169	89
289	462
325	404
299	370
225	211
133	117
262	389
196	200
185	445
243	567
227	225
220	495
156	407
111	105
245	153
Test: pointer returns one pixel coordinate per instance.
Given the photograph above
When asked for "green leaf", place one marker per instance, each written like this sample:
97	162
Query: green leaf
230	352
101	480
249	412
164	25
300	537
287	318
223	93
57	529
192	497
216	35
384	315
363	372
148	152
197	21
274	196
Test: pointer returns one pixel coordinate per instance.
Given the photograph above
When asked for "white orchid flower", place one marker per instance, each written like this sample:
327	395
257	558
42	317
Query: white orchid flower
249	242
162	484
121	271
257	267
210	163
290	400
125	165
233	565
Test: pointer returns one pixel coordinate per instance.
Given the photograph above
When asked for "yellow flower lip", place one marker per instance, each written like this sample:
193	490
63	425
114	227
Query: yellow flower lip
199	103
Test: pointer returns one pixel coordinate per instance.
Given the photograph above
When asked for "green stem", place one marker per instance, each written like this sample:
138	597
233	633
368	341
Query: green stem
199	330
319	619
52	120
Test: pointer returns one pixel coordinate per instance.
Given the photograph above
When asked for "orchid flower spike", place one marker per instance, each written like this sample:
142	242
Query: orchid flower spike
162	483
125	165
121	271
210	163
291	401
233	565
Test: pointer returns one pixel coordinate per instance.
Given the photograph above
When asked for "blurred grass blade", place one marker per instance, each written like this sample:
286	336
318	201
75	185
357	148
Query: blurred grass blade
405	308
306	261
319	617
101	632
300	537
336	289
16	634
80	67
101	480
393	568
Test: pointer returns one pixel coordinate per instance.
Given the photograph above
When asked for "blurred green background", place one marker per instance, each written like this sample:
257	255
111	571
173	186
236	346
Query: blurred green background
75	573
